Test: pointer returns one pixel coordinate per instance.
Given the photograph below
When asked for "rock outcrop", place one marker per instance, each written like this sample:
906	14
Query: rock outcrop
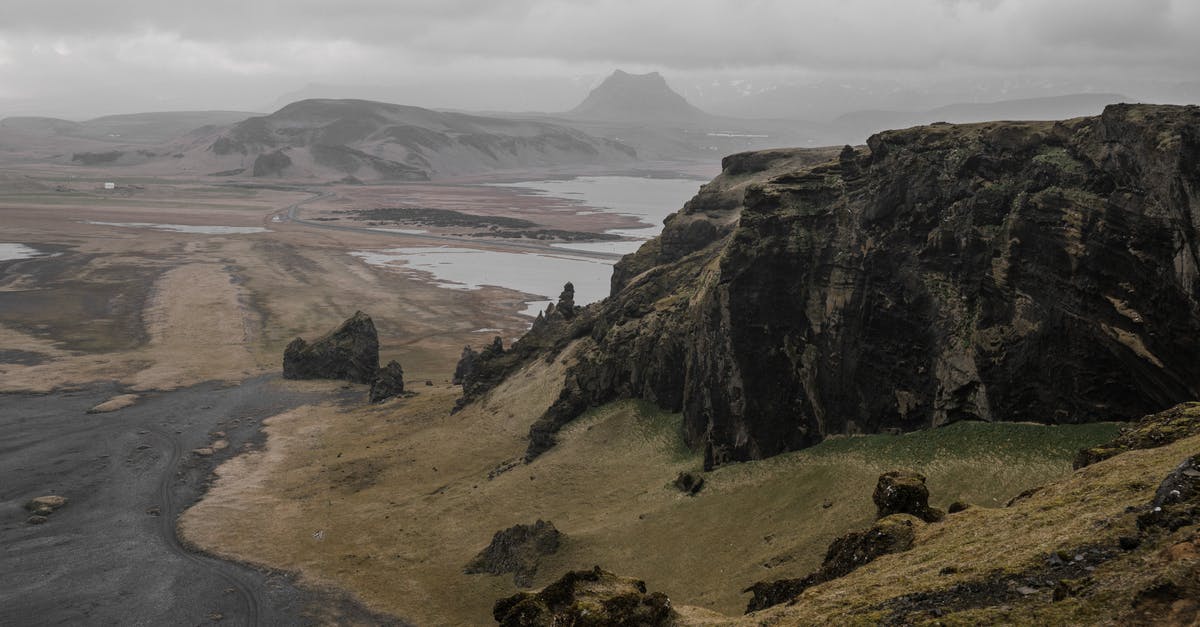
517	550
1152	431
465	368
904	492
1038	271
388	383
350	352
891	534
587	597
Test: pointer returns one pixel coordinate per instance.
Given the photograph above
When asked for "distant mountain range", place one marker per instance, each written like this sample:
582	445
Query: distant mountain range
379	141
627	118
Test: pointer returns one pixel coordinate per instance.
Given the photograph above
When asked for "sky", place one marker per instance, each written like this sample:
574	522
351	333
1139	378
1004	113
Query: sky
81	58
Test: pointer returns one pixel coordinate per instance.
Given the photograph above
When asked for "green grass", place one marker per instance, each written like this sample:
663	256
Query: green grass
980	440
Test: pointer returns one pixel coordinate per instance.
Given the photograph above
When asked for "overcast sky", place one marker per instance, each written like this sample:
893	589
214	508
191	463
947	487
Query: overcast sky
84	57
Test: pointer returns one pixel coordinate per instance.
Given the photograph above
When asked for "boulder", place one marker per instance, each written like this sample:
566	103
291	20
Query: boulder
517	550
904	492
689	483
350	352
587	598
389	382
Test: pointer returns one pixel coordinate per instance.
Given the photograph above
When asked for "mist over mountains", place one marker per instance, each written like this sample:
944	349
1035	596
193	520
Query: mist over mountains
626	118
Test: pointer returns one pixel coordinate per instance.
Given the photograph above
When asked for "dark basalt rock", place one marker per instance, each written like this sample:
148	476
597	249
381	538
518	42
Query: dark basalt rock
350	352
1030	271
904	492
1176	502
517	550
466	366
689	483
892	534
389	382
566	301
587	598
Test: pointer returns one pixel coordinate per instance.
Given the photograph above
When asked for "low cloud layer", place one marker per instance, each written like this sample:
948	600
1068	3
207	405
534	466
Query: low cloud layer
71	56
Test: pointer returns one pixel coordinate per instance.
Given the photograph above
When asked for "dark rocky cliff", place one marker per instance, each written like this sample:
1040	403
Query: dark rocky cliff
1041	271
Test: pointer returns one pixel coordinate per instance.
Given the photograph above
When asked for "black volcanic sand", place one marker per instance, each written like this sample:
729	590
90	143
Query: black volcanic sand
111	555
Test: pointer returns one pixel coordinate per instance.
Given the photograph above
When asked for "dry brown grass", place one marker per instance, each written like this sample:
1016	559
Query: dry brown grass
398	532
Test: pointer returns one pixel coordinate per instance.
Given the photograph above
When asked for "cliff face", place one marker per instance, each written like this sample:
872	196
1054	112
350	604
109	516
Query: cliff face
1001	271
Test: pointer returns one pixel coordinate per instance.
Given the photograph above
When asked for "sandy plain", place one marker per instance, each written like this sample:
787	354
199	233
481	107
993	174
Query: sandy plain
150	328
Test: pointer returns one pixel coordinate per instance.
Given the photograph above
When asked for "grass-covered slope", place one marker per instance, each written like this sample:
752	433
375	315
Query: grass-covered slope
405	496
1095	548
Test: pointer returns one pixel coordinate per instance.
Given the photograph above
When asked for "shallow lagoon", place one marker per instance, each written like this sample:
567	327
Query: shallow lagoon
543	274
648	199
532	273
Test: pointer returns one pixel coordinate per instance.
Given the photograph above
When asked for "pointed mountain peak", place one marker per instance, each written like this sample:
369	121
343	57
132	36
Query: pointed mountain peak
625	97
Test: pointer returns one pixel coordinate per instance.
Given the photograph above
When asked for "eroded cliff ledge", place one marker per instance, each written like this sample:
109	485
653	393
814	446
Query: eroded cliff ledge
1037	271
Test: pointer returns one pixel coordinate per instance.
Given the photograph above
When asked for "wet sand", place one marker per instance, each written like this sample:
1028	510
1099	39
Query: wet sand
111	555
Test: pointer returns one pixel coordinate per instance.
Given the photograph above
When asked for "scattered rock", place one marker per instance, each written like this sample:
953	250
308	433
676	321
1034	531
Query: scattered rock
113	404
45	505
904	492
517	550
203	451
219	445
587	598
689	483
36	519
350	352
957	506
389	382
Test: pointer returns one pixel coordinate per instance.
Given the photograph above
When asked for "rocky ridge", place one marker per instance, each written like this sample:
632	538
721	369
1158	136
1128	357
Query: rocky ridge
1039	271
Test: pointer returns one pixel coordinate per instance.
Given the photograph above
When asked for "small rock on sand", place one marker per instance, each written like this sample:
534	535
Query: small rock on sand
220	445
203	451
114	403
43	506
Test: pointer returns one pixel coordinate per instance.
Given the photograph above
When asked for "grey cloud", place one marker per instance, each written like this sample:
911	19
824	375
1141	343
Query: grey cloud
250	51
